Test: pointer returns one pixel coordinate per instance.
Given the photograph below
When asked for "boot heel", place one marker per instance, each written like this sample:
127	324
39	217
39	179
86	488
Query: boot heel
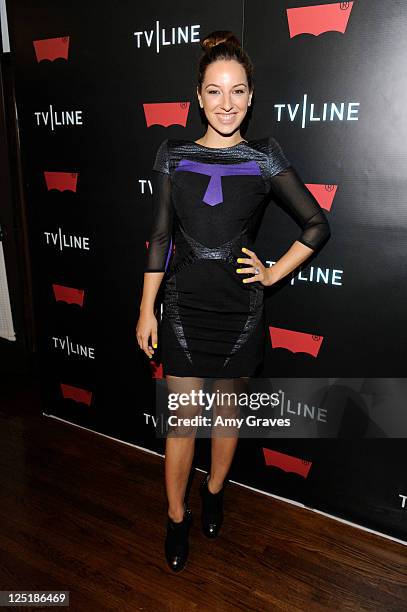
177	541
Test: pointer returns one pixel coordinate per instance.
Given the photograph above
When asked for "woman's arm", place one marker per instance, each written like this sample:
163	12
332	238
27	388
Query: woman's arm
160	243
151	285
158	255
289	187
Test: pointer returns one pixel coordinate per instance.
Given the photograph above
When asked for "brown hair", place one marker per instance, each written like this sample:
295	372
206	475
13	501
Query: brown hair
220	45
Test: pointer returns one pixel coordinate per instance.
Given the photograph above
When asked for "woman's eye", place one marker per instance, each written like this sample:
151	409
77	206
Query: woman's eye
240	91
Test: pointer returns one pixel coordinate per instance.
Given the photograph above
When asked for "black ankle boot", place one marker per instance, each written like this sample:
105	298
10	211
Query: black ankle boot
176	541
212	509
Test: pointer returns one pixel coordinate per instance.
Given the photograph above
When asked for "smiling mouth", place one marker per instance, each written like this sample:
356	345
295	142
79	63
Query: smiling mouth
226	117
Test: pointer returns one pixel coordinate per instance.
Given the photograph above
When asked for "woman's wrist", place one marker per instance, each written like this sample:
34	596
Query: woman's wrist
146	308
271	276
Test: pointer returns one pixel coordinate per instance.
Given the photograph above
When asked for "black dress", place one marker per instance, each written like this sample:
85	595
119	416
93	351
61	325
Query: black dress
206	203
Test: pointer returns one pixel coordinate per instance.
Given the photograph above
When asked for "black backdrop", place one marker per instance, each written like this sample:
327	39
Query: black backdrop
85	86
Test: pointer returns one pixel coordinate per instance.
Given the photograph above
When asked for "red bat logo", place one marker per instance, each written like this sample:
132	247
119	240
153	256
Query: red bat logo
63	181
324	194
287	463
82	396
156	369
51	48
319	18
166	113
68	294
294	341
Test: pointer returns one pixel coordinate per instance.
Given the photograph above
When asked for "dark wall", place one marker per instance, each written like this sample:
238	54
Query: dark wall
87	147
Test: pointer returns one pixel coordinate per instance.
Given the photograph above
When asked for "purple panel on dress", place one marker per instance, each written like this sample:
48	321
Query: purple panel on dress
213	194
168	255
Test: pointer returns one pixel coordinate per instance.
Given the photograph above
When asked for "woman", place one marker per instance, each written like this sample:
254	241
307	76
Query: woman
207	198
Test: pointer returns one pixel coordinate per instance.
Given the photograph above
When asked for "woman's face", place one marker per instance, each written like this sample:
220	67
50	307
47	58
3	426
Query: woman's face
225	95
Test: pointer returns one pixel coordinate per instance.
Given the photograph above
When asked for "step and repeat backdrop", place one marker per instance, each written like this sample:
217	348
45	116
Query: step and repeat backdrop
98	87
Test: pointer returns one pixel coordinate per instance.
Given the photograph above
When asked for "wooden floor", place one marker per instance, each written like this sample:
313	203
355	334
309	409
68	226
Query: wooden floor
83	513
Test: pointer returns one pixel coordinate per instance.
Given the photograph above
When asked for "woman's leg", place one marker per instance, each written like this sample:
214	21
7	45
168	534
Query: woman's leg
225	438
180	445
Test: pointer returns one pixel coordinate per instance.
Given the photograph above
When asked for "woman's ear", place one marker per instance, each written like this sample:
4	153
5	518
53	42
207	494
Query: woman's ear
199	98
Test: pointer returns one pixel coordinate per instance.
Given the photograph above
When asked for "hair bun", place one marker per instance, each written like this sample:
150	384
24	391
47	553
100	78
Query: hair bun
219	37
223	45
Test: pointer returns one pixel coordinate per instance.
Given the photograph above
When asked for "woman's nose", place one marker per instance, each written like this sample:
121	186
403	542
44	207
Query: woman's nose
227	104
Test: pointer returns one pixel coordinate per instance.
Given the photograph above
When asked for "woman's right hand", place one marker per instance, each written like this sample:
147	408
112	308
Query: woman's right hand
147	326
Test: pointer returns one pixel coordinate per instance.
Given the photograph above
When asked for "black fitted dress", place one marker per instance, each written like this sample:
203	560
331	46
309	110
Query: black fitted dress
206	204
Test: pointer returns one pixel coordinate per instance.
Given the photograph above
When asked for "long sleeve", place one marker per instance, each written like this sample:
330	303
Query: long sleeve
160	243
287	184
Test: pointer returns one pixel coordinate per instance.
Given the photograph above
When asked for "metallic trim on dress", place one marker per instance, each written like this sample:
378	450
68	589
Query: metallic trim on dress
251	322
172	311
222	252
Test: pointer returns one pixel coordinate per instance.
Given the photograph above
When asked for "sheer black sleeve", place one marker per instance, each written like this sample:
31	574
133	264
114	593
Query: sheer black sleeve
160	243
288	186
